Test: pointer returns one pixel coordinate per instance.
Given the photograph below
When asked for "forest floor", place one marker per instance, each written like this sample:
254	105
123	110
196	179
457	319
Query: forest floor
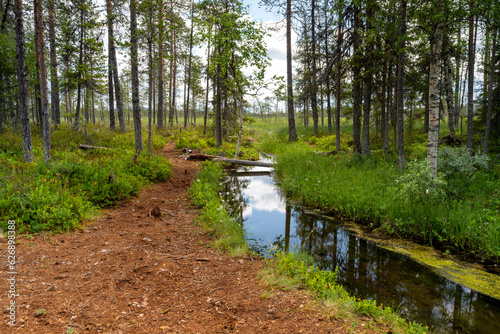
131	272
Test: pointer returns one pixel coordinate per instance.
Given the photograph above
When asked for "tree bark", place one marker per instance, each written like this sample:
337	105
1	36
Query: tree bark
314	93
218	106
150	74
186	107
449	92
114	66
470	88
356	88
400	89
339	77
383	112
161	88
365	144
490	92
111	96
80	64
54	80
434	98
42	76
292	132
135	77
205	113
23	83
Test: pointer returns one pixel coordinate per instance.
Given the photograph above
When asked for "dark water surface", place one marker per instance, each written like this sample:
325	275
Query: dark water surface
366	270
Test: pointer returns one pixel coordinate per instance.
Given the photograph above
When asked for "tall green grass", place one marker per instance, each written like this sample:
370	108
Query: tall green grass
464	217
213	216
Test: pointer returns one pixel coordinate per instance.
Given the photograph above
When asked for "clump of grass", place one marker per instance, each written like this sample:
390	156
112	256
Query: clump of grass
294	270
213	216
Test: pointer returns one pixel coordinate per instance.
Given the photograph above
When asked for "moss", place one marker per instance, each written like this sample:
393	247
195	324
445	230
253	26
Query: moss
472	276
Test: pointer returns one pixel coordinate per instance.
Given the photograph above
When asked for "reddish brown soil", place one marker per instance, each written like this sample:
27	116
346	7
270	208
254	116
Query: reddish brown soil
131	272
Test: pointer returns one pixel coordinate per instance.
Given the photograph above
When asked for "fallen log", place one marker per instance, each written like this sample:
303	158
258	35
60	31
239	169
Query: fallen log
90	147
201	156
204	157
244	162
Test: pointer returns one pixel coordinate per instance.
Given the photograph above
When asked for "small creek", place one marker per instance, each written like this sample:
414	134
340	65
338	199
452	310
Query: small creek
366	270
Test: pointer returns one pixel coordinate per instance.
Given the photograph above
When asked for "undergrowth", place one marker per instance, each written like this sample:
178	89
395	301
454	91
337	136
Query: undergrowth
71	189
213	216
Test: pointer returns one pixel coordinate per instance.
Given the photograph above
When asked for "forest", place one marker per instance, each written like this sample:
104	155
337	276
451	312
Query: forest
387	116
387	82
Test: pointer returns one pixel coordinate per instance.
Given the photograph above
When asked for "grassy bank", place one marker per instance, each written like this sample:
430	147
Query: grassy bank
458	211
71	189
213	216
295	271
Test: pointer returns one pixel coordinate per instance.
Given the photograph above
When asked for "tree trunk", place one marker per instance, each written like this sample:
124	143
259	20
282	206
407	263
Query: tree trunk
80	65
314	102
205	113
434	98
218	107
150	74
54	80
186	108
114	66
42	76
449	91
490	92
135	77
292	132
356	89
172	82
383	113
111	96
365	144
161	88
400	89
23	83
470	91
339	77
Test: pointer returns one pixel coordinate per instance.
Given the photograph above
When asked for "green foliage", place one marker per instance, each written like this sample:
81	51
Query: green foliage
39	203
457	162
461	212
213	216
324	287
194	139
153	168
65	193
418	184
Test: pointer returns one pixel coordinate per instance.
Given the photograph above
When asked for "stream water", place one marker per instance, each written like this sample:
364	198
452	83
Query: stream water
367	271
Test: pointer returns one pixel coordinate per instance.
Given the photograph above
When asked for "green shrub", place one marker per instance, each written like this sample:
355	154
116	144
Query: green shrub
154	168
69	190
457	162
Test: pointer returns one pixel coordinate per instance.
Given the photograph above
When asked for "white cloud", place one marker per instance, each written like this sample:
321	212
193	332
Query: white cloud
263	197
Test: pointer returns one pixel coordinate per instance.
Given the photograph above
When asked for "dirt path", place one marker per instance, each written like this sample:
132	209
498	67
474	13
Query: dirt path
132	273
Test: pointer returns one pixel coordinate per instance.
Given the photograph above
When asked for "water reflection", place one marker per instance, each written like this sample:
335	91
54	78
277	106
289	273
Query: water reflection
367	271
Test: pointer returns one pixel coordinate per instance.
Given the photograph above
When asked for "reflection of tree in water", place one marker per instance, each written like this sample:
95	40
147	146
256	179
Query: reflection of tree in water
233	196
